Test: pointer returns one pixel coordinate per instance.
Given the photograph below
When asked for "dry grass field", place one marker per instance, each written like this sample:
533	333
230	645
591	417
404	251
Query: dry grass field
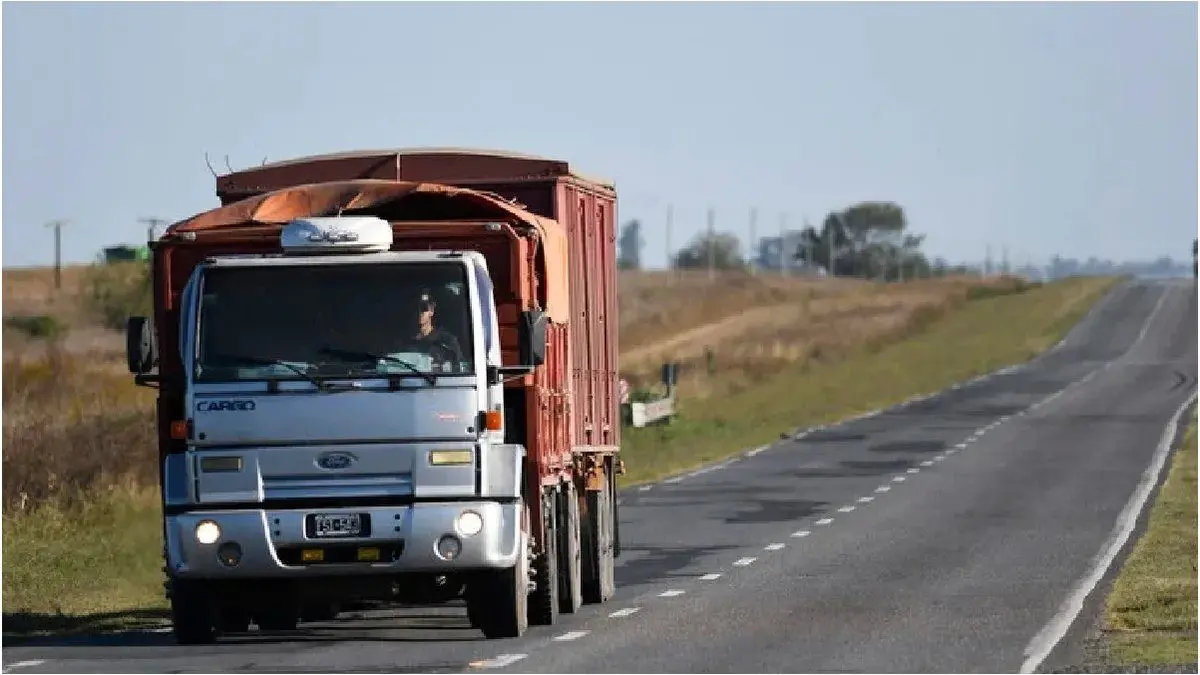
78	435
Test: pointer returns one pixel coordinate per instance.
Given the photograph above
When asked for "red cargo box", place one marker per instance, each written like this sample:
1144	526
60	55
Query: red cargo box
586	207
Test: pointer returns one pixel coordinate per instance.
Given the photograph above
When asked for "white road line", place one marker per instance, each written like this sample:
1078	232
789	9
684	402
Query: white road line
670	593
928	462
865	500
883	488
498	662
711	576
1044	642
824	521
757	450
914	470
743	562
622	613
951	451
672	481
572	635
800	533
773	547
939	458
645	488
960	446
846	509
30	663
898	479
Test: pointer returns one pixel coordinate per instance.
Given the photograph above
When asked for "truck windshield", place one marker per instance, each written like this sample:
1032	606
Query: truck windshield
318	321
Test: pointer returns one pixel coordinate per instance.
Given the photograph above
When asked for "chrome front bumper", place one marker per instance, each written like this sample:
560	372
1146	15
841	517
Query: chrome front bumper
263	535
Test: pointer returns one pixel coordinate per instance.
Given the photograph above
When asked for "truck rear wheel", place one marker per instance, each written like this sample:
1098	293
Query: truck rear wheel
193	620
543	606
599	579
570	572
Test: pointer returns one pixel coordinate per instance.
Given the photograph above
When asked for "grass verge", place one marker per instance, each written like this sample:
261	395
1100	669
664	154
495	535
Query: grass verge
1151	611
984	334
82	567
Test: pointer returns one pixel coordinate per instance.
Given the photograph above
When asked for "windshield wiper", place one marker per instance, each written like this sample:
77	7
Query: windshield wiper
264	361
363	355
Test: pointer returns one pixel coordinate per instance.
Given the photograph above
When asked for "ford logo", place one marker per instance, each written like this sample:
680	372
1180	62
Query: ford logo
335	461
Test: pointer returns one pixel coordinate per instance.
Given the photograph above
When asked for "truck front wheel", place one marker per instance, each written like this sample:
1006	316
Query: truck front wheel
498	601
193	620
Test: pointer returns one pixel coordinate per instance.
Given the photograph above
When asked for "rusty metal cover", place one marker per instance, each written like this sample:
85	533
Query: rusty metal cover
458	166
326	199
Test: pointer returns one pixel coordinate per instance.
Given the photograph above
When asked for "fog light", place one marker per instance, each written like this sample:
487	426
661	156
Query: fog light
230	554
207	532
448	547
470	523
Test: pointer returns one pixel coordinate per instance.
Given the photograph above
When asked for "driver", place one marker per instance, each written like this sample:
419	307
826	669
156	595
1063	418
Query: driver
441	346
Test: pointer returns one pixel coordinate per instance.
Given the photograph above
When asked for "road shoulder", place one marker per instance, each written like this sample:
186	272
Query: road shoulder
1147	642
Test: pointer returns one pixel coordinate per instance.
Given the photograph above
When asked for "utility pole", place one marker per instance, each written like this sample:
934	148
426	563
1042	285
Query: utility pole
151	224
753	238
712	249
57	225
782	244
831	235
670	255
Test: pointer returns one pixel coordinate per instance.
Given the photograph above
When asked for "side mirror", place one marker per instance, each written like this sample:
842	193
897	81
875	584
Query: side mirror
531	340
140	347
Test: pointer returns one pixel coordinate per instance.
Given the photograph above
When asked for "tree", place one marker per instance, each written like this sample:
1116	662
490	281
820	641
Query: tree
866	239
726	252
629	245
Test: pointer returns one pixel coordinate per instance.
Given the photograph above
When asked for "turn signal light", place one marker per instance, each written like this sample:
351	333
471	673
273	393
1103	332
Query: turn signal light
179	430
493	420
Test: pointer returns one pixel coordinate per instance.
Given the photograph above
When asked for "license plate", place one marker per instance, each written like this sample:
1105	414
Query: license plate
326	525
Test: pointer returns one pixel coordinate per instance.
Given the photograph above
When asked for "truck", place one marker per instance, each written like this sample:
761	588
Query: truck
379	370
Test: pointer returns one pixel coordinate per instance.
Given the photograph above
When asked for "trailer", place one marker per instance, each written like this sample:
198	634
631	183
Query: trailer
370	381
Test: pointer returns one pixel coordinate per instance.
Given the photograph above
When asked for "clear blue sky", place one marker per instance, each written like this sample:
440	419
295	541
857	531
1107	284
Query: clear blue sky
1047	128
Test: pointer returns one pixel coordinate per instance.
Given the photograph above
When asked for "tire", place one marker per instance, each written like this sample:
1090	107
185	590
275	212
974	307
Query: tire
543	603
498	601
599	577
192	616
570	572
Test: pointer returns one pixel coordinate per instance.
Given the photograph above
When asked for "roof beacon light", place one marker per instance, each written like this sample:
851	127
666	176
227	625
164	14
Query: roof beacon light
340	234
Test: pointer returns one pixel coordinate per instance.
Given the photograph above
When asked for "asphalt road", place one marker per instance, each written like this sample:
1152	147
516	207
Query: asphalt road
953	533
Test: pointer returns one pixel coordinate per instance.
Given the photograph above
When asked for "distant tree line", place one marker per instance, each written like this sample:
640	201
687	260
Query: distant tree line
868	239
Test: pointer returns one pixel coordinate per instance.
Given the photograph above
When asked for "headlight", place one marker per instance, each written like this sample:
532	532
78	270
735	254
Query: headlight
470	523
207	532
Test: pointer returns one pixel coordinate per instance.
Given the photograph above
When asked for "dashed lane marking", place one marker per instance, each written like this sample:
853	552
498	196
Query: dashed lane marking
928	462
773	547
914	470
711	576
622	613
846	509
898	479
572	635
671	593
499	662
883	488
800	533
865	500
824	521
743	562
